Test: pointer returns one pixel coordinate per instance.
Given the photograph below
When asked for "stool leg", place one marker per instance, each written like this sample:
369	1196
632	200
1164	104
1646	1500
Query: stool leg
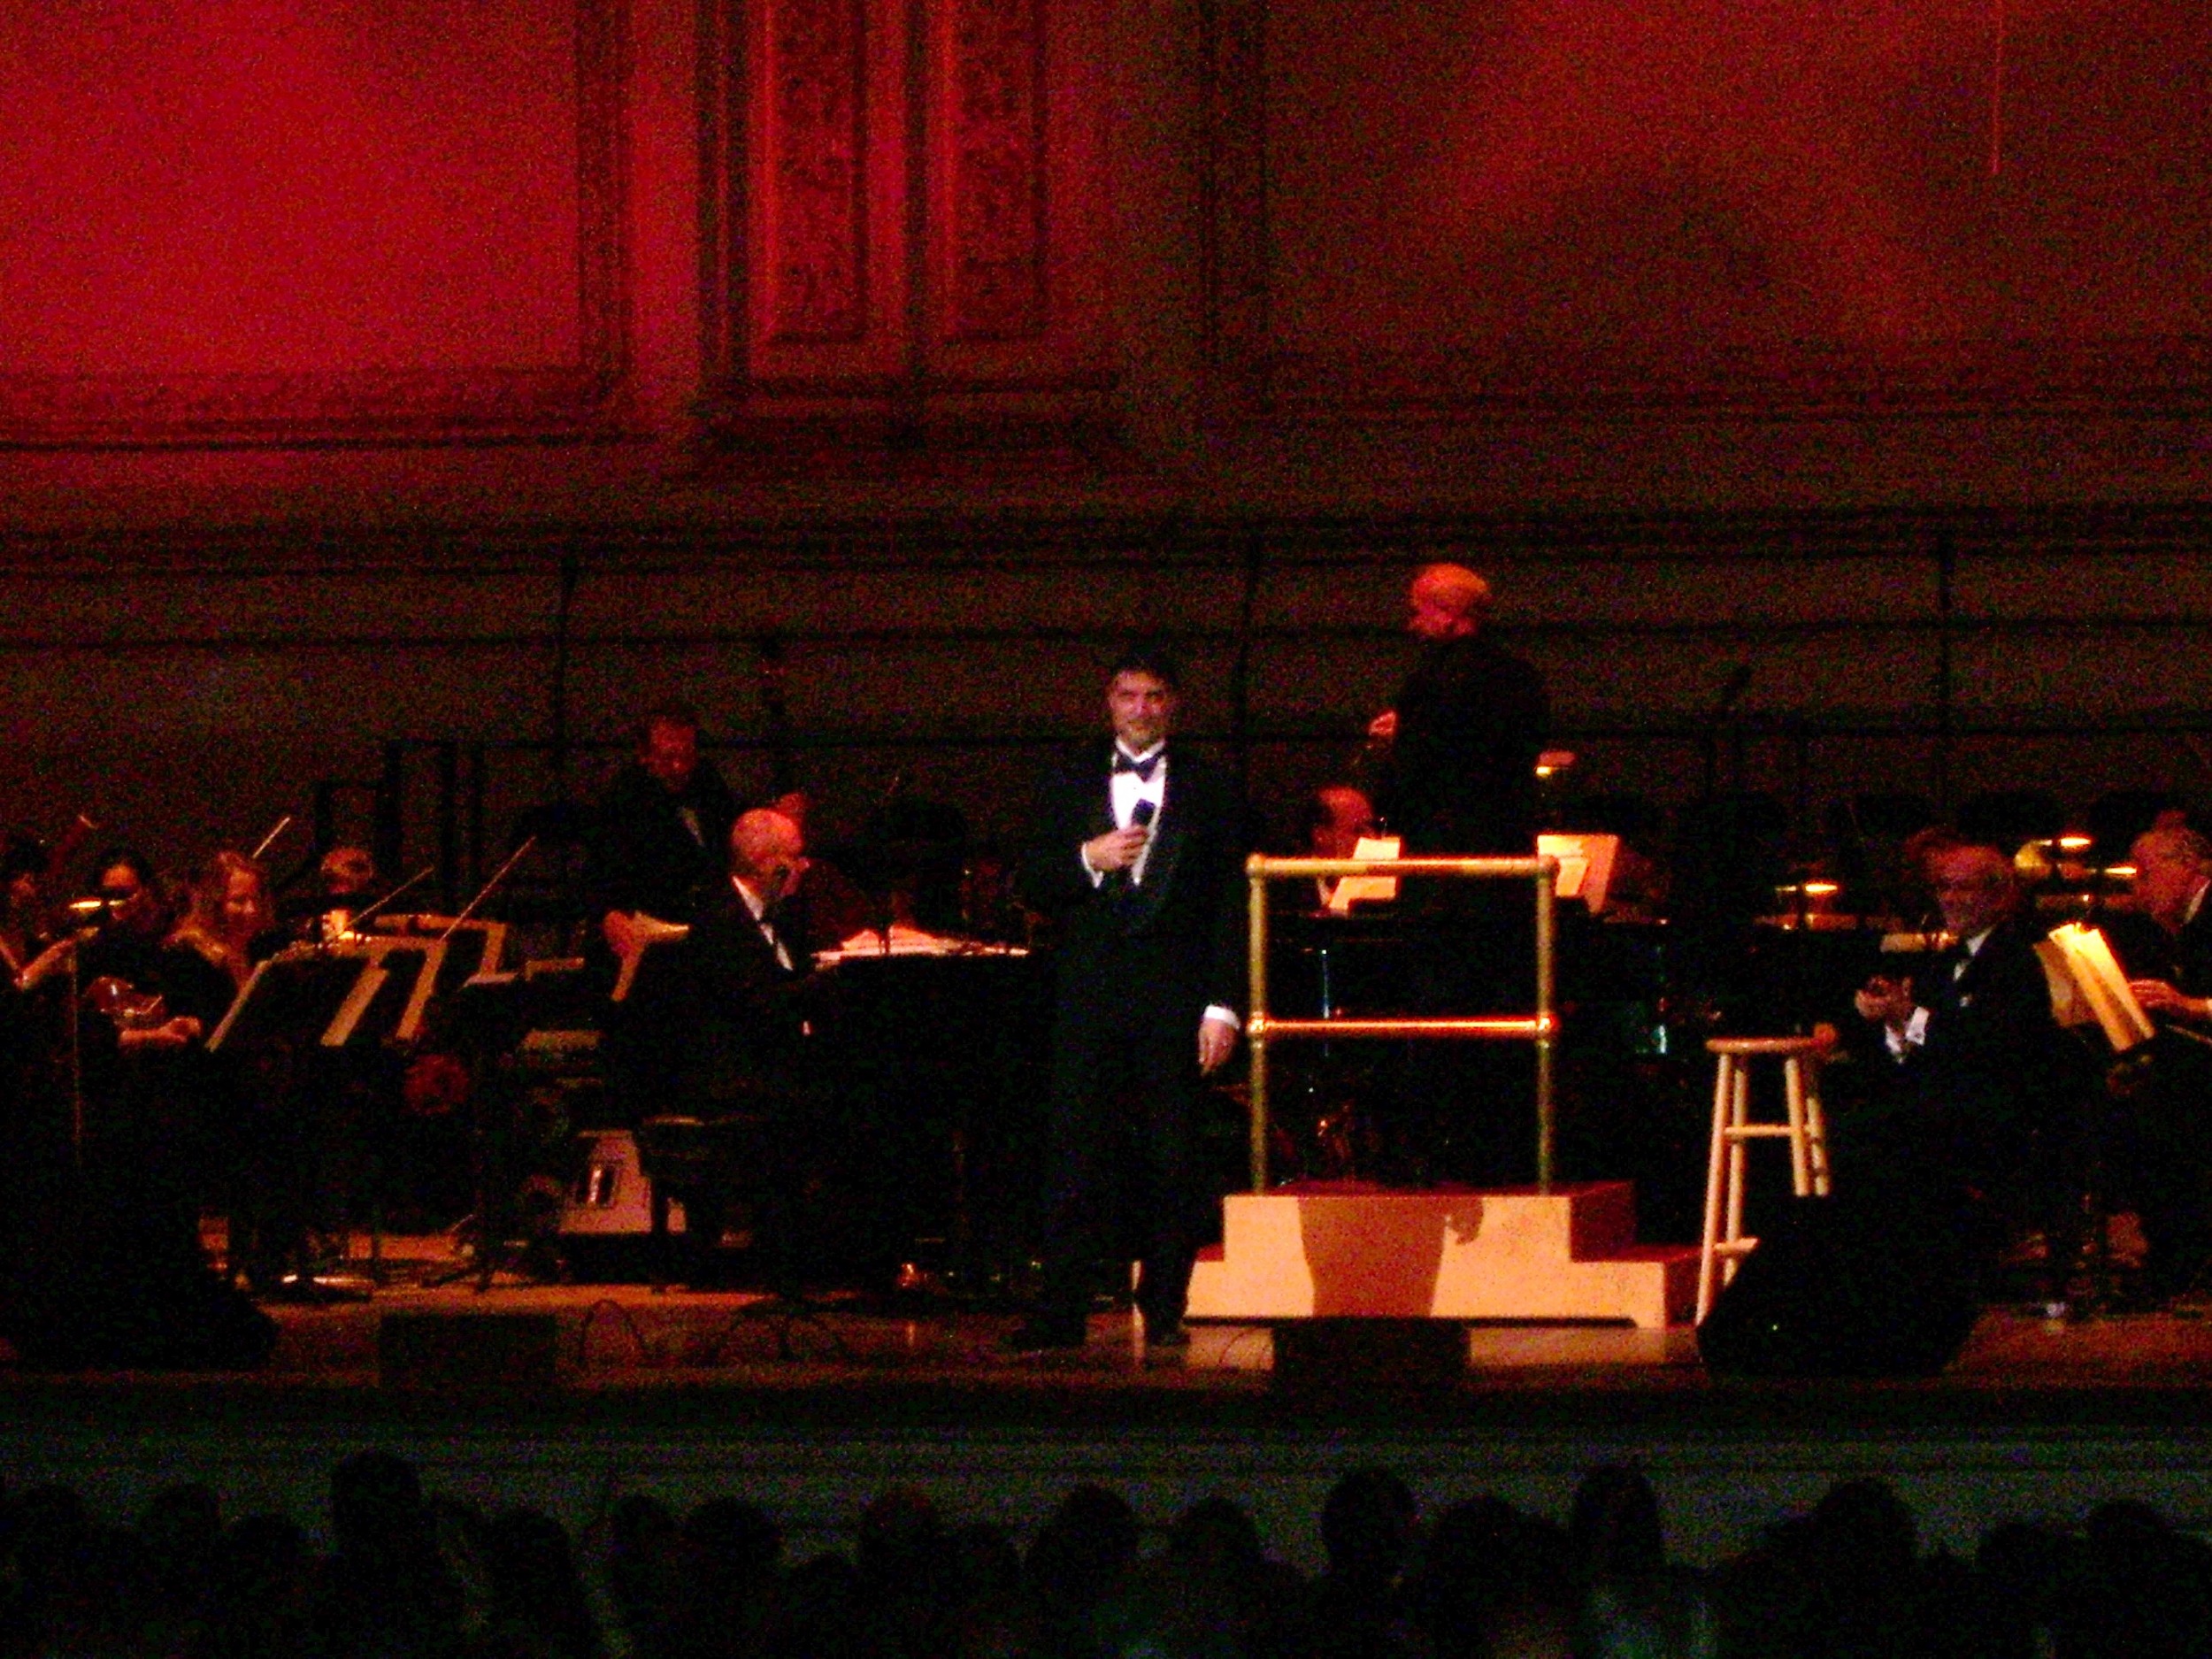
1816	1130
1739	1115
1794	1099
1715	1174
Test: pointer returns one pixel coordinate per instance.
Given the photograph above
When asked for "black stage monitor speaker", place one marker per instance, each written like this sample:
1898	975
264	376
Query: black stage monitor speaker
1843	1287
466	1350
1352	1359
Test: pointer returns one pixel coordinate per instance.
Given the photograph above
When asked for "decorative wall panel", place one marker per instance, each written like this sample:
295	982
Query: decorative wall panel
817	150
902	204
267	220
1016	295
994	160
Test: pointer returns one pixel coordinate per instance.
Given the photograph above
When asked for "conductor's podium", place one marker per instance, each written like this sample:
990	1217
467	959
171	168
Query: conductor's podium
1346	1250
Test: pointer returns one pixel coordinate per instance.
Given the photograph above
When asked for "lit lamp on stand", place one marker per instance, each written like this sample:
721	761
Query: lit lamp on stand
2056	869
1809	904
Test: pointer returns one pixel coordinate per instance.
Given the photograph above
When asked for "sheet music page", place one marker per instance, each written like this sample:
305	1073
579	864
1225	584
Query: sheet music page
2097	976
647	932
1350	890
1586	865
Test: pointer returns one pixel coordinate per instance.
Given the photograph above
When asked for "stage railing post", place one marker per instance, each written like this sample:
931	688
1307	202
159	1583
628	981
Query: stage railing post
1547	1125
1541	1028
1256	1029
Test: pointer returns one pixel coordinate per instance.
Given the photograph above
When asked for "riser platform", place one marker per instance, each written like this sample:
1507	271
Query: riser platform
1350	1250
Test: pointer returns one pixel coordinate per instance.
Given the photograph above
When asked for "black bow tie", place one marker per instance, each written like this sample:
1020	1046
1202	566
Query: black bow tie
1144	768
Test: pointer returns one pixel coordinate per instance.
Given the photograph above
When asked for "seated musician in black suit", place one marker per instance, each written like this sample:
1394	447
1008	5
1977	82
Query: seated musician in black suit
2158	1146
1976	1118
744	1062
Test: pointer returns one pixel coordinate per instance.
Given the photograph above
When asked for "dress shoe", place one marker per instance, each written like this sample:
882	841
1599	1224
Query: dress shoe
1045	1336
1167	1336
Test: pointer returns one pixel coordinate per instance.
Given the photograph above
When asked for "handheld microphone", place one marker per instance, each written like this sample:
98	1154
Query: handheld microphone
1140	818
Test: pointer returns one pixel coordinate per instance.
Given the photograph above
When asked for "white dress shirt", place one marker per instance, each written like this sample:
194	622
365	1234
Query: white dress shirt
1916	1032
1126	789
758	906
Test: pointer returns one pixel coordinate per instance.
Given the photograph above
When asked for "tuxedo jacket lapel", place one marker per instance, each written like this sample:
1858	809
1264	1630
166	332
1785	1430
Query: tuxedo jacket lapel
1167	848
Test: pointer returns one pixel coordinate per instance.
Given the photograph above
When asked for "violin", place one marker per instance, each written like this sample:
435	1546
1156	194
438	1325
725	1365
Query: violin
130	1008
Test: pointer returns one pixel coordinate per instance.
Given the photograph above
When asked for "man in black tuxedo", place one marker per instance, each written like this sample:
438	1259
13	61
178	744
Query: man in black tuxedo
1458	780
1980	1117
748	963
1135	850
2158	1145
2171	972
655	849
742	1058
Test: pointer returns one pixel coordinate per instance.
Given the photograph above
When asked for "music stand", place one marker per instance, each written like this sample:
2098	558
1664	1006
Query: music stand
357	995
491	1014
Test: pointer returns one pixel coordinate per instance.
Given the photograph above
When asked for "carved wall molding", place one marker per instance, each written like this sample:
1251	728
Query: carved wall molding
901	215
995	157
1259	378
816	132
153	409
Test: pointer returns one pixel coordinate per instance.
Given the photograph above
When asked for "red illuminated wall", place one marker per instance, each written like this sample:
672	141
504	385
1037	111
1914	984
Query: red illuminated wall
697	224
945	339
1906	203
351	218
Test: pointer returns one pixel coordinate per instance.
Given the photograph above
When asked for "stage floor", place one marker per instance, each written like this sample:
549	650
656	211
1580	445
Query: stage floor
633	1337
626	1337
691	1394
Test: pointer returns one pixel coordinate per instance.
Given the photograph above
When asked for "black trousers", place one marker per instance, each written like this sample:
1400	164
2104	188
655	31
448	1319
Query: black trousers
1121	1168
2157	1152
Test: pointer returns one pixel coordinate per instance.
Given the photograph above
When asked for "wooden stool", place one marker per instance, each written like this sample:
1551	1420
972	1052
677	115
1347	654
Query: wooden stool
1806	1130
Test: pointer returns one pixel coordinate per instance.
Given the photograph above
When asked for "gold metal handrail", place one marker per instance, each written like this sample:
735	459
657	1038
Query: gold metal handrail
1541	1028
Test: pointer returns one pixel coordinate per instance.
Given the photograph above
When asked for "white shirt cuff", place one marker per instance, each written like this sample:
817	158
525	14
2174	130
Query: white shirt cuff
1083	857
1227	1016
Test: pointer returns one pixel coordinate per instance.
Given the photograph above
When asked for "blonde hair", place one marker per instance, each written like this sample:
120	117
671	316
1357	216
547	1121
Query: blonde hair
205	928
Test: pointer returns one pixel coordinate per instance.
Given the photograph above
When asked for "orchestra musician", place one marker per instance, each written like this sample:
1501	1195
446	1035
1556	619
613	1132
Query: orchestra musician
1136	851
25	930
745	1054
35	955
28	927
1337	816
147	1003
110	1267
2158	1140
161	995
1461	740
346	884
653	853
1977	1114
232	921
